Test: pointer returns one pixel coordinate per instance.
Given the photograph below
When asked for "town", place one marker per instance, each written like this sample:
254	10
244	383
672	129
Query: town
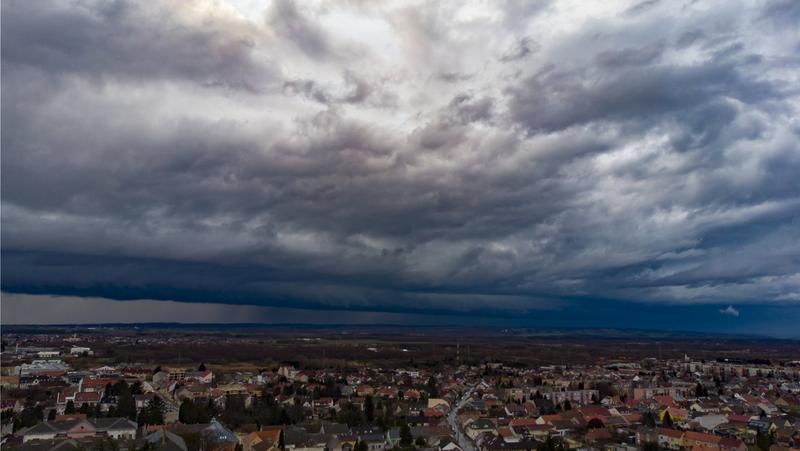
68	391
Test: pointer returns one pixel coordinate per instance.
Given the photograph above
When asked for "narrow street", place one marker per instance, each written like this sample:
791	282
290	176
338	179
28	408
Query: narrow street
461	438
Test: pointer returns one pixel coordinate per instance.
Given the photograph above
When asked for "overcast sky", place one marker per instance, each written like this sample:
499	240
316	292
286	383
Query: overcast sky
632	162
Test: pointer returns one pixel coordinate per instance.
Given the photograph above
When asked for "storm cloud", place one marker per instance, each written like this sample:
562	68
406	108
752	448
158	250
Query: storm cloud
445	158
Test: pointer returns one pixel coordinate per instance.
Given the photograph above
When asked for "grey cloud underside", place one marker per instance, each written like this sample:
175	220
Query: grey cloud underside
131	40
153	153
287	21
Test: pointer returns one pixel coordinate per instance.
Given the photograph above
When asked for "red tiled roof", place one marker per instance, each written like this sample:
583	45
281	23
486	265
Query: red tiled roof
670	433
738	418
505	432
598	434
730	442
96	383
702	437
523	421
704	448
632	417
676	412
433	413
87	397
664	400
594	411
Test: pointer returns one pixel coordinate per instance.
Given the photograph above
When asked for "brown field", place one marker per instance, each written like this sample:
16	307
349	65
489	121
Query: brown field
249	348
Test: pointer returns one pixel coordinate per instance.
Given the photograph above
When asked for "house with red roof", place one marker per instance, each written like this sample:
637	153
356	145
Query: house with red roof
595	412
95	384
664	400
432	413
523	422
675	413
86	397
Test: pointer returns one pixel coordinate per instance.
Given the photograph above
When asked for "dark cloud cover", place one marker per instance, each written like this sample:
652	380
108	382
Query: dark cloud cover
575	160
132	40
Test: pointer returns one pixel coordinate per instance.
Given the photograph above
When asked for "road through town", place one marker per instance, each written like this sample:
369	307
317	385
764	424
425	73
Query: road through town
462	439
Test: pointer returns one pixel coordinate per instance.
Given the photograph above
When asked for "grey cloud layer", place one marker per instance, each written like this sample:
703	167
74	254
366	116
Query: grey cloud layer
392	157
132	40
